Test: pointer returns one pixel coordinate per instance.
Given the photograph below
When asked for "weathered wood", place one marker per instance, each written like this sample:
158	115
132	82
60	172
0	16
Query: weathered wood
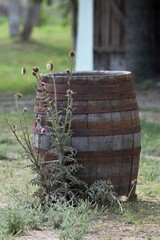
106	130
118	12
100	50
110	34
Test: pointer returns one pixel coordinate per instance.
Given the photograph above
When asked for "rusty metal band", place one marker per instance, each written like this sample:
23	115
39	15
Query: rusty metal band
104	109
105	132
96	109
113	153
93	90
89	96
96	160
108	175
107	88
98	132
87	79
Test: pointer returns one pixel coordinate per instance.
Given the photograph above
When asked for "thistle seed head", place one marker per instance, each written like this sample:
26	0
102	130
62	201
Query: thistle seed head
33	73
23	71
71	53
35	69
134	182
38	119
68	71
43	130
18	95
24	109
111	188
49	66
69	92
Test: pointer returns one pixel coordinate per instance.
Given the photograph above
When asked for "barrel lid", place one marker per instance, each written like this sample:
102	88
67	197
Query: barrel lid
91	73
89	76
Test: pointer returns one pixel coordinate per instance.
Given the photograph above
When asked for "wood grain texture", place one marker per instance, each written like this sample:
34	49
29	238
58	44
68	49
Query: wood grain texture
109	34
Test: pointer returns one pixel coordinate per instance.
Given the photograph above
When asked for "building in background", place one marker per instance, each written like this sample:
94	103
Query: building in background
125	36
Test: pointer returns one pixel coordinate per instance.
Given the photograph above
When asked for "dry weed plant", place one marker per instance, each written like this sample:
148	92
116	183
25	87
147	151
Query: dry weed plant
57	179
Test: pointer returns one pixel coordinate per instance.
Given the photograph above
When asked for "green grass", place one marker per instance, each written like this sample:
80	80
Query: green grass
151	109
49	42
9	148
149	171
150	138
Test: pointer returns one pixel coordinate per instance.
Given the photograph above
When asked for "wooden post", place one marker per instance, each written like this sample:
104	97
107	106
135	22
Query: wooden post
84	47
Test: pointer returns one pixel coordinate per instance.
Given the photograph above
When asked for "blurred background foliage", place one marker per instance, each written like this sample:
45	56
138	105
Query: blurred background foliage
49	39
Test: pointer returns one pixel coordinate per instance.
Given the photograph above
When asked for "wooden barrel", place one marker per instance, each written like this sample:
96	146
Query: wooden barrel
106	126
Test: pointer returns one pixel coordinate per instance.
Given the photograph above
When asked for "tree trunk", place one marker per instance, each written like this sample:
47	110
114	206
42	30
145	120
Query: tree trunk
31	20
14	17
74	21
157	33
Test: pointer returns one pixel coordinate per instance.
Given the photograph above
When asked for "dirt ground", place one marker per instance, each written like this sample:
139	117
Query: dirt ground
109	229
148	100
